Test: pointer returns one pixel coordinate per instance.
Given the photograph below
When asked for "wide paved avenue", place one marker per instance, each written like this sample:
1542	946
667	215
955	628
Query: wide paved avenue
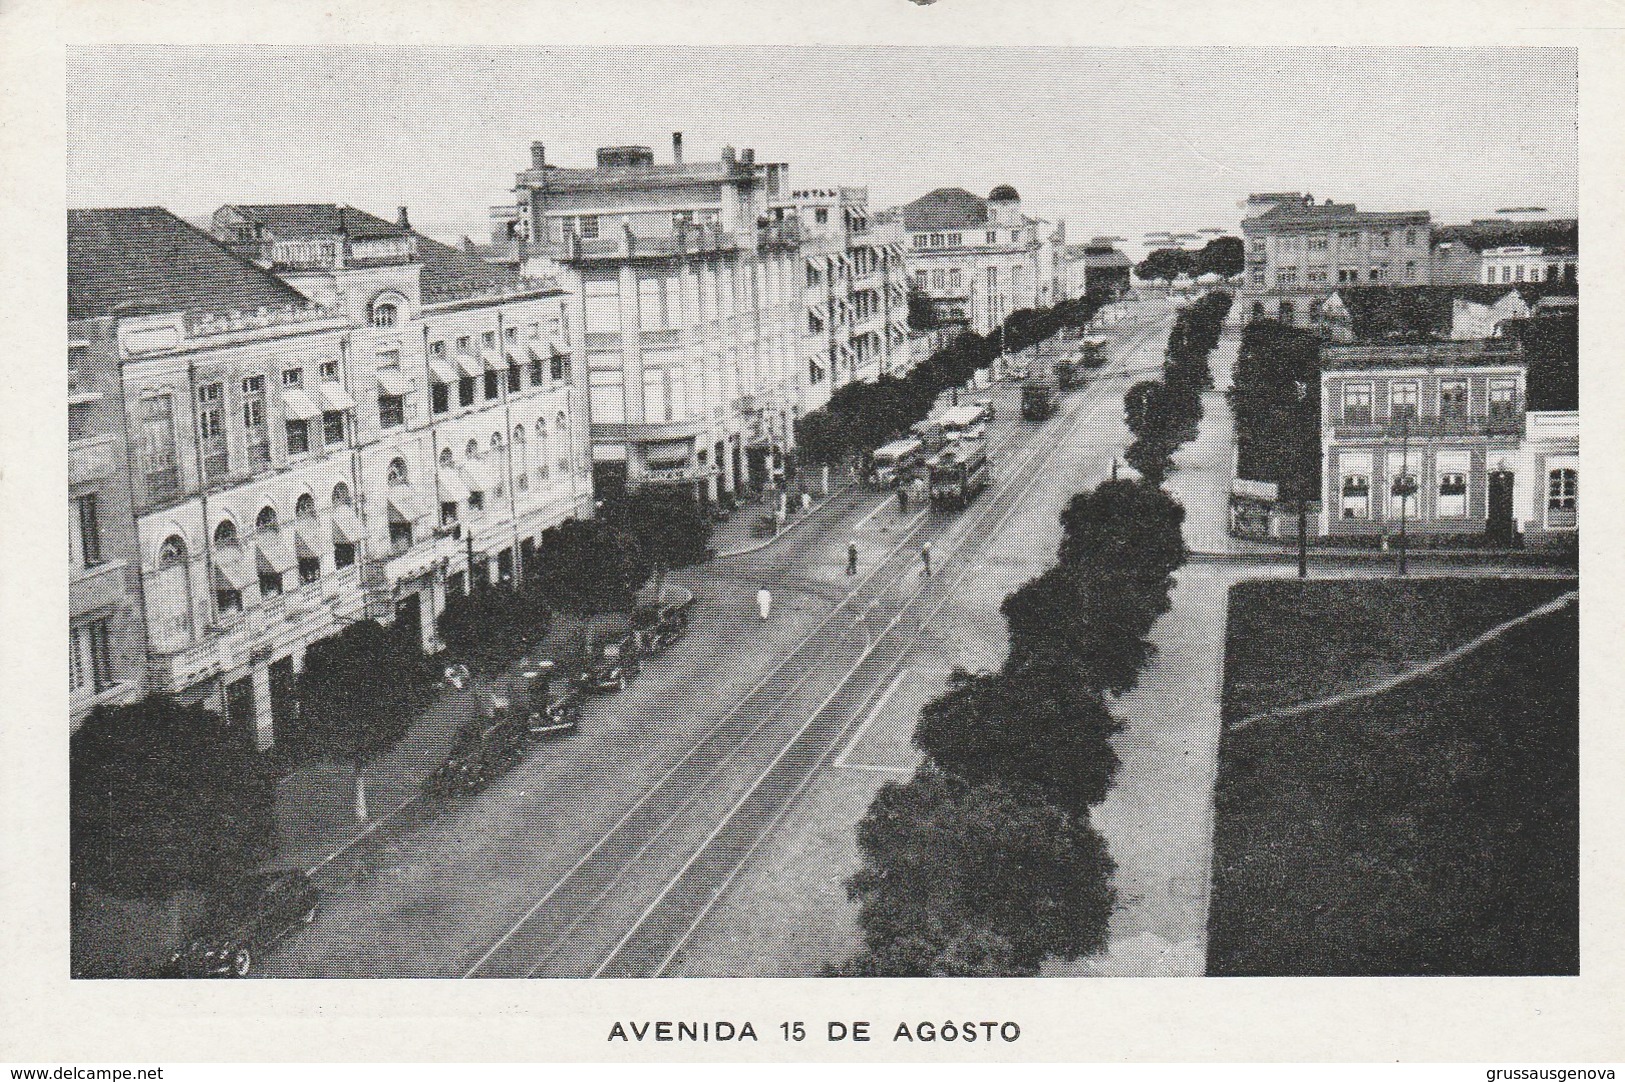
603	852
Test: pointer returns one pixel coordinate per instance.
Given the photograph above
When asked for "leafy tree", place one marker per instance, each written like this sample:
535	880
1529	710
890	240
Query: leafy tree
1033	727
672	530
589	566
1552	351
1124	525
922	314
357	696
490	626
162	797
1275	396
1099	624
947	864
1164	265
822	439
1222	255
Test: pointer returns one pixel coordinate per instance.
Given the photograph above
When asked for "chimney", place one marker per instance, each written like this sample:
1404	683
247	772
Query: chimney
400	219
728	155
748	155
677	147
538	155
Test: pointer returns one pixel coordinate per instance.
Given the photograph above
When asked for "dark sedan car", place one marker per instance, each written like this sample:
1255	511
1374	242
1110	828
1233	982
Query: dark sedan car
244	920
617	662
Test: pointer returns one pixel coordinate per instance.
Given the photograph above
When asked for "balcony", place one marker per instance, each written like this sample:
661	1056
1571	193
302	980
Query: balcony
1498	423
90	460
620	245
93	589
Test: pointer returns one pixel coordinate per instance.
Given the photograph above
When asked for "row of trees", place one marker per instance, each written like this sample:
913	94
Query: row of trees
862	416
987	861
164	796
1275	396
1221	255
1164	414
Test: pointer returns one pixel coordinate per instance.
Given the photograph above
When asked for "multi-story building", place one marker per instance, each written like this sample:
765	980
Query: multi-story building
1547	487
235	397
1299	252
690	297
1430	432
107	655
470	435
1504	251
978	260
856	291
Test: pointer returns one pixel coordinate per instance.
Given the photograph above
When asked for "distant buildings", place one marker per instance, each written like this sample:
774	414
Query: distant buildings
1508	251
1105	269
690	294
855	295
978	260
1299	252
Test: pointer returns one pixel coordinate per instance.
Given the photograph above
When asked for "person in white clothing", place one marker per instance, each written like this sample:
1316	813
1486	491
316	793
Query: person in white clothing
764	602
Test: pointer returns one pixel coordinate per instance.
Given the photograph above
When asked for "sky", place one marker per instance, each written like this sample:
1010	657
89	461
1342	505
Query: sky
1116	141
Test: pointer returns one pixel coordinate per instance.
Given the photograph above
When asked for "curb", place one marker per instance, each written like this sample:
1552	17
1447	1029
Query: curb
760	545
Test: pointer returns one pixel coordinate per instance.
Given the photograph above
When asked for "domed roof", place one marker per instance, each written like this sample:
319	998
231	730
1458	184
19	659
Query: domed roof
1004	194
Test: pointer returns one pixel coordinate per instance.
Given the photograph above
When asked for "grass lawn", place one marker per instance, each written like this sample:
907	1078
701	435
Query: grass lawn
1290	642
1432	829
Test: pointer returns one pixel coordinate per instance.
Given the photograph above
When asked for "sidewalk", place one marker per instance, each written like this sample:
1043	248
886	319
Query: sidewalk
747	529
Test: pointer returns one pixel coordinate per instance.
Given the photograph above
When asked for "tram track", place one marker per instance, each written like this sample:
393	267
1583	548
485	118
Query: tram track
694	828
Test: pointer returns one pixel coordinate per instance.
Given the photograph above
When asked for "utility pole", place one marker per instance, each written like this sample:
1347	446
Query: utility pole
1303	538
1403	485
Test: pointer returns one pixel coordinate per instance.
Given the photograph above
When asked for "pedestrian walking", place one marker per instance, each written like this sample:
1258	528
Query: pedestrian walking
764	602
902	498
925	558
806	502
852	558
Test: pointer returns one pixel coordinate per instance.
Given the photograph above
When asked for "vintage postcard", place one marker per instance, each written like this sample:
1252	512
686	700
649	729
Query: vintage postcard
759	502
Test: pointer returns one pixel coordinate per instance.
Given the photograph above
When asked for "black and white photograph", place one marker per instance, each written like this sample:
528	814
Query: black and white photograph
832	506
598	524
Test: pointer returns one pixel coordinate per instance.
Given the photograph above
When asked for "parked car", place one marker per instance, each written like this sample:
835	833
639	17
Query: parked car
617	662
244	920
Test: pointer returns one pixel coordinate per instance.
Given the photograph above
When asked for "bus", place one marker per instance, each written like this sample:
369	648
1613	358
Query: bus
958	474
896	462
964	422
1037	400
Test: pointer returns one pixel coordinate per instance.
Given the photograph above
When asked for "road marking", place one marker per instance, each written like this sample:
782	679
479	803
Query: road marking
874	712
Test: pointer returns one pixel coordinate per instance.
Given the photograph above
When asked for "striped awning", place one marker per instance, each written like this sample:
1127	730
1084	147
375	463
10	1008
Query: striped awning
453	489
275	553
231	570
307	538
335	397
346	525
299	405
442	370
403	504
393	381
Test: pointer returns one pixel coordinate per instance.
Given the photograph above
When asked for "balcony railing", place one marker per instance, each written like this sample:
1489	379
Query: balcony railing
1498	423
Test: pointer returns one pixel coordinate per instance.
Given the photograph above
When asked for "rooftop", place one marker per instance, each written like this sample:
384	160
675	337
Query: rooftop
1305	214
145	259
1497	233
289	220
1483	352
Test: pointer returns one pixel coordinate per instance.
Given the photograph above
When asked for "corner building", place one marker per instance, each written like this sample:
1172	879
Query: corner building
689	296
470	435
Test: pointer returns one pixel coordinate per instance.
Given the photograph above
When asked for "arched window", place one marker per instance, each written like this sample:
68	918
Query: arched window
225	534
521	461
472	450
386	310
170	594
266	519
496	443
496	465
341	495
563	428
397	473
445	458
305	506
541	448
